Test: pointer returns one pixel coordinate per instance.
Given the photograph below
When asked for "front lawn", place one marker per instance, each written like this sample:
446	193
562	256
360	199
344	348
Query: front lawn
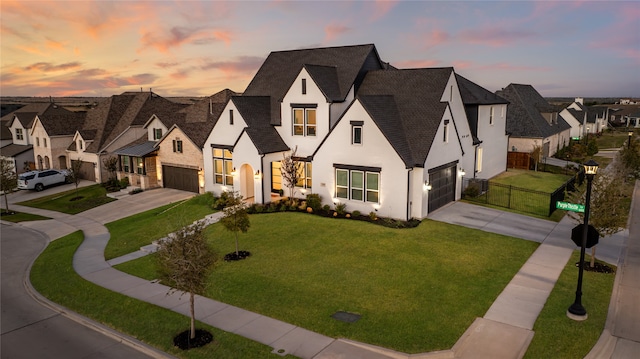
53	276
19	216
416	289
72	202
131	233
557	336
536	181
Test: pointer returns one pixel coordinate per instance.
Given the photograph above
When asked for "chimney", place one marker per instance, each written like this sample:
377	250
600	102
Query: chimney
580	100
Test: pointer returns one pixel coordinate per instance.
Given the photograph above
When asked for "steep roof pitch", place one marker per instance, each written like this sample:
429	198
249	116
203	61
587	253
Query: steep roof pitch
112	117
474	94
335	69
58	121
406	106
27	114
12	150
256	111
524	115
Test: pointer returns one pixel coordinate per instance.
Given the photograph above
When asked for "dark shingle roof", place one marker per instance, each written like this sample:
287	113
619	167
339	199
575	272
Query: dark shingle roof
5	132
27	114
406	106
58	121
137	150
256	111
12	150
577	114
279	70
524	114
474	94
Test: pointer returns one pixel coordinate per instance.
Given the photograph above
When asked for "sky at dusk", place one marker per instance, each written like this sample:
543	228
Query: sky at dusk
196	48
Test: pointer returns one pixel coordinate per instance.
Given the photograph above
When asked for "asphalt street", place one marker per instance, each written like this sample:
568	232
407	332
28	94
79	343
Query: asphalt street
30	329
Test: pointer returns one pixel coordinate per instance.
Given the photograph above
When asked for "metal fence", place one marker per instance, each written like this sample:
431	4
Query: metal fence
517	198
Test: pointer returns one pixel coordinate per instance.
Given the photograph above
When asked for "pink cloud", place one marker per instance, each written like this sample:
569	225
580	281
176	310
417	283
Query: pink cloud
416	64
620	36
382	8
243	65
495	36
49	67
165	40
333	30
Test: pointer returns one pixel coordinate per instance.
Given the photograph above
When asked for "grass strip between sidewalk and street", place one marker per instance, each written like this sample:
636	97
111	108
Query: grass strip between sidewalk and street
557	336
72	202
53	276
17	217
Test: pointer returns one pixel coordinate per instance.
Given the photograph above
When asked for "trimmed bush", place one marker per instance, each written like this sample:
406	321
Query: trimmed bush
314	201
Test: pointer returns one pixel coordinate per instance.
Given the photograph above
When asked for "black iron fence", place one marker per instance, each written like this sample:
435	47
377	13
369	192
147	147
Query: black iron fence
517	198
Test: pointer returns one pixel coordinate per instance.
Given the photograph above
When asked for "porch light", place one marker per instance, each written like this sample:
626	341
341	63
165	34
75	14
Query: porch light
462	172
257	174
234	172
591	167
427	186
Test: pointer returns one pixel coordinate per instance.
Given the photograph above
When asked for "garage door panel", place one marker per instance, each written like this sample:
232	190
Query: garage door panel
185	179
443	187
87	170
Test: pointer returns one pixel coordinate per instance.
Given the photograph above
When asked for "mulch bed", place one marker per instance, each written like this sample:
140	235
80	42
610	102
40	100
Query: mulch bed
598	267
183	341
233	256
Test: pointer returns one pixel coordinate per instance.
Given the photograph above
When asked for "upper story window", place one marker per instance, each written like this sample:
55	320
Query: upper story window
491	113
231	117
304	86
177	146
445	131
44	142
80	144
222	166
502	110
19	134
304	121
356	132
37	141
157	133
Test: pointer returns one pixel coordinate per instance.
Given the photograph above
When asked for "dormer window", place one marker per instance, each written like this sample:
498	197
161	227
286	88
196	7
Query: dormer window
19	135
231	117
157	133
79	144
445	131
304	86
491	113
356	132
304	120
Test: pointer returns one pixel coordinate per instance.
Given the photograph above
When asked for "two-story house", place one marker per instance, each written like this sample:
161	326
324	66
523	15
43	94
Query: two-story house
51	133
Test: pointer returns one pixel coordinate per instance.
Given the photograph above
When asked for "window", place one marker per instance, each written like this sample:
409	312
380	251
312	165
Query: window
37	142
358	185
157	133
502	109
44	141
304	86
304	174
491	115
276	176
445	131
19	135
126	167
479	160
356	132
139	165
177	146
80	144
304	121
222	167
231	117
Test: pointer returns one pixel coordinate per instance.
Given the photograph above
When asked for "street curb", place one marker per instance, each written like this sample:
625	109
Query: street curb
85	321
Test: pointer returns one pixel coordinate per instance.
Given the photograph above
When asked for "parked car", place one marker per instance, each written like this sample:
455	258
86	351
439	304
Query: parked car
38	180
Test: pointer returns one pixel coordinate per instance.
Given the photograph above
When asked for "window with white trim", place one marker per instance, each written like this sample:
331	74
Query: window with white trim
491	113
356	135
304	121
125	164
157	133
37	141
19	135
445	131
304	174
177	146
358	185
222	166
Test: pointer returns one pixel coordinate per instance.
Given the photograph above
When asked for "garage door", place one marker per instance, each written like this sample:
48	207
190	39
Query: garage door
181	178
443	186
87	170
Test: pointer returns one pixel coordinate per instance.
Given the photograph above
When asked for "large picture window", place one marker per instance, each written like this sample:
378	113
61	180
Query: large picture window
358	185
304	175
304	121
222	166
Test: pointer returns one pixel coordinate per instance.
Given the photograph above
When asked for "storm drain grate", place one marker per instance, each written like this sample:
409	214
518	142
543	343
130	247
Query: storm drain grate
346	317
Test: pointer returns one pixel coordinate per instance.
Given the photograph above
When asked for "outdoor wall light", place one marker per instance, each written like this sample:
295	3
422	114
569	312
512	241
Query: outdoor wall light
234	172
304	190
462	172
427	186
257	175
376	207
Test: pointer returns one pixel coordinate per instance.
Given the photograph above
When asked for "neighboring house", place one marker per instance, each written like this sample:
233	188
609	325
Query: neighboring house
6	137
20	155
532	121
170	154
367	135
597	119
113	124
19	123
51	133
576	116
624	116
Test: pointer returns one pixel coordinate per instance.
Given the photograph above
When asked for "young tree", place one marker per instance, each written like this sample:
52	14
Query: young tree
536	154
291	172
8	179
236	218
185	262
111	165
74	174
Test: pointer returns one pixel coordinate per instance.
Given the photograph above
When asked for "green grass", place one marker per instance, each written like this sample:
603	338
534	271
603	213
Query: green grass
131	233
614	139
417	289
67	202
53	276
20	216
557	336
536	181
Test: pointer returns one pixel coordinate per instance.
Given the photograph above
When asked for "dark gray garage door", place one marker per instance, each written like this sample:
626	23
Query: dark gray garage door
443	185
87	170
185	179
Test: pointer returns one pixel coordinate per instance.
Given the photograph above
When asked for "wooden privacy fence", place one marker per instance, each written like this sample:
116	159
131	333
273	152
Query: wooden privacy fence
519	160
517	198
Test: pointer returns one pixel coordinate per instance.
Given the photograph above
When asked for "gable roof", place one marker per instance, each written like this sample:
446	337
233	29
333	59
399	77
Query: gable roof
524	115
406	106
256	111
12	149
58	121
26	114
334	69
474	94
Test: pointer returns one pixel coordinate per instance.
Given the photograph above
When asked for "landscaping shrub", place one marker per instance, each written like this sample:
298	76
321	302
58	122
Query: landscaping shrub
341	208
221	202
314	201
124	182
356	213
326	208
472	190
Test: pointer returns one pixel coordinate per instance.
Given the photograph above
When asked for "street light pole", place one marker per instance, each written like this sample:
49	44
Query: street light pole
576	311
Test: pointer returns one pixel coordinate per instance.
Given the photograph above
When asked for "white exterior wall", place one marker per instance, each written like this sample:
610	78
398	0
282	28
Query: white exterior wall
375	151
576	124
223	133
338	108
26	138
155	123
494	140
246	160
127	136
40	136
306	144
81	155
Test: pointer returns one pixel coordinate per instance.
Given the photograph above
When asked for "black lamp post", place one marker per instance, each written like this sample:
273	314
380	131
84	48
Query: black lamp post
630	136
576	311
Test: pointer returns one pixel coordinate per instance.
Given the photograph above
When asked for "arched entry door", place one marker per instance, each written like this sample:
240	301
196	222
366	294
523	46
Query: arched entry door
247	185
62	160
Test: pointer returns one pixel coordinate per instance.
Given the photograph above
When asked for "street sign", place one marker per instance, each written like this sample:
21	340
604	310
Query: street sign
592	235
575	138
570	206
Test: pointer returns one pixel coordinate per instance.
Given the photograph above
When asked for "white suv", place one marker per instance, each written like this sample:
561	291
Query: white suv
38	180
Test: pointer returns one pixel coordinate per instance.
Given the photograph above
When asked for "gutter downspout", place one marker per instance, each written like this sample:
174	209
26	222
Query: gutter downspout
408	193
262	179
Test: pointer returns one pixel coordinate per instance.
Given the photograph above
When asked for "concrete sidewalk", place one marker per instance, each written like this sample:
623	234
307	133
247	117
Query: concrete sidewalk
505	331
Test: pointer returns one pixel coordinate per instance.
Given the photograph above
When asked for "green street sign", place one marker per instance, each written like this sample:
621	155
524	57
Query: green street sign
575	138
570	206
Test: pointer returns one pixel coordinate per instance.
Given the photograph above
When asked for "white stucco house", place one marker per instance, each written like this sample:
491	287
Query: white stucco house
370	136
